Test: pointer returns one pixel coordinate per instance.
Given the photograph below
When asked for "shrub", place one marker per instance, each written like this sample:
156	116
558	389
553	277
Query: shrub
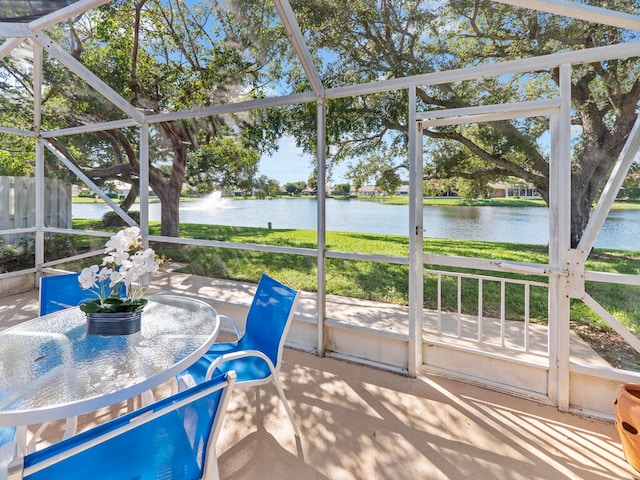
112	219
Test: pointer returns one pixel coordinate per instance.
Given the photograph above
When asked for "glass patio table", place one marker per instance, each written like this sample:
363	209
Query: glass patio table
50	369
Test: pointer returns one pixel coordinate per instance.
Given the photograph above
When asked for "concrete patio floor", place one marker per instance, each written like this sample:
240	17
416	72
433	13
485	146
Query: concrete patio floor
358	422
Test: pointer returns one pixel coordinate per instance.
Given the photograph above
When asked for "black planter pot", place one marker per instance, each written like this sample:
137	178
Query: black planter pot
115	323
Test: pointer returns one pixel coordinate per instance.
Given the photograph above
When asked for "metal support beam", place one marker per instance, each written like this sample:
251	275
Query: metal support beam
93	127
607	197
416	240
321	299
144	181
40	207
579	11
7	47
88	76
489	113
17	131
9	29
297	41
39	193
144	190
492	70
62	14
228	108
89	183
559	244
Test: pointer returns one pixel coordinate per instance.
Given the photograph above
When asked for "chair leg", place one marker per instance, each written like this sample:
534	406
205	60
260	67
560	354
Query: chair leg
146	398
278	384
70	427
20	438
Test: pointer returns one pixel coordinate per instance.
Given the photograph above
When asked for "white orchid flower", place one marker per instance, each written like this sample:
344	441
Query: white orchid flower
124	264
88	277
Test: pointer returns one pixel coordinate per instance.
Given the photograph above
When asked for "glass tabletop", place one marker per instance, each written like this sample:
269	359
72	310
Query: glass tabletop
51	369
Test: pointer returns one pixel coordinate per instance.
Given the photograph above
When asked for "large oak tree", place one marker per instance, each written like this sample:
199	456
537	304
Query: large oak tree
364	40
162	56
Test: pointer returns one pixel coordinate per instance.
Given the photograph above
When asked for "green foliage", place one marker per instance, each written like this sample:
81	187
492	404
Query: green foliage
295	188
112	219
160	57
630	192
342	189
13	166
17	153
364	41
175	55
472	189
388	282
22	255
264	187
10	258
86	193
223	162
113	305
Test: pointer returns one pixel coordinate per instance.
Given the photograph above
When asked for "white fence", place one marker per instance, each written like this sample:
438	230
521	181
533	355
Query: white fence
502	326
18	205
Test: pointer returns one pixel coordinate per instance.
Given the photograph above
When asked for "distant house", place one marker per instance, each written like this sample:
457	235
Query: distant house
402	190
308	191
366	191
507	190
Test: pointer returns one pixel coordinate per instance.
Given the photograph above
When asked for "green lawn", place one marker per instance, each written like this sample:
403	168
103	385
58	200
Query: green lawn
389	282
489	202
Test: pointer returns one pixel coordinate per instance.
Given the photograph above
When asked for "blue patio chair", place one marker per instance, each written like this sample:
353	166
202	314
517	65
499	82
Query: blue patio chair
8	447
6	435
257	354
172	438
58	292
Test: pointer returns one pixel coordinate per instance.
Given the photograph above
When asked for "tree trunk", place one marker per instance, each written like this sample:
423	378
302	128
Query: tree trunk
170	215
130	199
580	211
170	196
602	148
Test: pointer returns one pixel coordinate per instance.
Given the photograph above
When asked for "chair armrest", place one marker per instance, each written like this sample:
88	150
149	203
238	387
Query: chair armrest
232	323
235	356
185	382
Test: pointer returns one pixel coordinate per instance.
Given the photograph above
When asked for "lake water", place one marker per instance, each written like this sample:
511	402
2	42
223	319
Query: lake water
503	224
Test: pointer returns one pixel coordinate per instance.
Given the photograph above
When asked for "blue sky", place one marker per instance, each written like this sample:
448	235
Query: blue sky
289	165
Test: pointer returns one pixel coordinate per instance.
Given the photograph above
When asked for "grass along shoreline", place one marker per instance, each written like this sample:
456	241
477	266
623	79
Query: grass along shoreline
404	200
388	283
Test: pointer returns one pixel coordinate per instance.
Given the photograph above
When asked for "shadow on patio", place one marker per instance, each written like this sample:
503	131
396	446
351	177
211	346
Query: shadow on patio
362	423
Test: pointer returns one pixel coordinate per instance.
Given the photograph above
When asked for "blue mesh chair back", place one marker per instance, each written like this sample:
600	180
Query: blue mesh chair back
58	292
8	448
256	356
6	434
173	438
268	319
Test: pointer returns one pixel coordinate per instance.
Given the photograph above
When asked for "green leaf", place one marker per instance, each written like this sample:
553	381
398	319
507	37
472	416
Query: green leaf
113	305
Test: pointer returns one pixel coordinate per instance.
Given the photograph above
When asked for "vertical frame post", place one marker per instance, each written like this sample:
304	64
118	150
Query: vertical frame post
559	244
40	188
144	180
321	304
144	188
416	241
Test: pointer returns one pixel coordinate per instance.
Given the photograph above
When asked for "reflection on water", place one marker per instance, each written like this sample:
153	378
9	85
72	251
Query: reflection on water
503	224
